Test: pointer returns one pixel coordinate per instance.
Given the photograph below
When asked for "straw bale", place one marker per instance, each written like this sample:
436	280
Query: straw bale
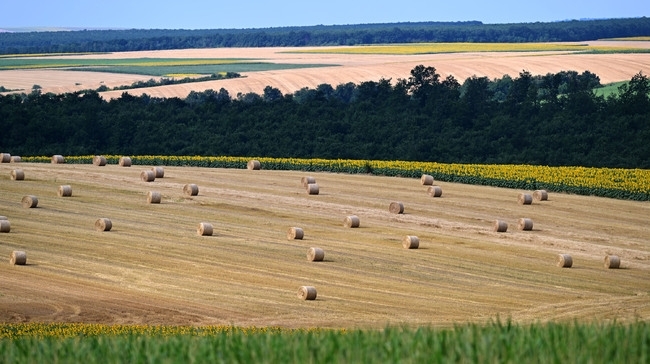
5	226
307	180
315	255
525	224
191	189
29	201
103	224
396	208
434	191
57	159
540	195
612	262
525	199
17	175
500	226
312	189
3	218
295	233
307	293
253	165
158	171
426	180
411	242
99	160
204	229
5	157
351	221
18	257
564	261
65	191
147	176
154	197
15	159
125	162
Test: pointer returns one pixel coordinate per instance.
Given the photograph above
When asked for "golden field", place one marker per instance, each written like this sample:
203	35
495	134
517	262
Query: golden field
153	268
356	68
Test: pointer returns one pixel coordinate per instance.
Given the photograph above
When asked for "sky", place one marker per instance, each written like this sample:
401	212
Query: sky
206	14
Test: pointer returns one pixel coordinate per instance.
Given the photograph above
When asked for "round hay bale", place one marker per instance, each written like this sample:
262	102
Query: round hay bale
29	201
65	191
612	262
18	257
5	226
525	224
15	159
295	233
204	229
159	172
540	195
5	157
411	242
315	255
253	165
564	261
500	226
434	191
525	199
3	218
147	176
396	208
191	189
312	189
17	175
154	197
103	224
57	159
307	293
426	180
351	221
307	180
99	160
125	162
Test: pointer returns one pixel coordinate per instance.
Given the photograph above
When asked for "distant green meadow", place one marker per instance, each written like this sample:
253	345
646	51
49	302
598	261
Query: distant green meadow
151	66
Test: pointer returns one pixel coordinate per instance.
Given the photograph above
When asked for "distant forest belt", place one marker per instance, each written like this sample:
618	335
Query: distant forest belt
428	48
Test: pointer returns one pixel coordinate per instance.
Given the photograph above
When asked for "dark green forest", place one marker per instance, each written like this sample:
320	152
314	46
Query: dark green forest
319	35
553	119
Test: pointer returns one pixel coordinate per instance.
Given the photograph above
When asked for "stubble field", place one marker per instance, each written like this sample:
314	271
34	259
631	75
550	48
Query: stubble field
153	268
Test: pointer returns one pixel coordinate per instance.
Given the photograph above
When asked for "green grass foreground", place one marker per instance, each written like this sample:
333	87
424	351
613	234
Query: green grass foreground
496	342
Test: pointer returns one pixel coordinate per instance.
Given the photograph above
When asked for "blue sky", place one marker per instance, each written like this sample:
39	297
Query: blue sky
205	14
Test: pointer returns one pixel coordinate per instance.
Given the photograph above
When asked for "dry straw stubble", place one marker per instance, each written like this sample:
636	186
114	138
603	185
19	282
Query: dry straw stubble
351	221
154	197
500	226
103	224
65	191
315	255
147	176
612	262
99	160
18	257
295	233
525	224
411	242
204	229
29	201
564	261
396	208
434	191
191	189
307	293
17	175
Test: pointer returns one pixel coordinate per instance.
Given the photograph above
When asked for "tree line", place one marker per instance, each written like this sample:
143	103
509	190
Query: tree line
320	35
552	119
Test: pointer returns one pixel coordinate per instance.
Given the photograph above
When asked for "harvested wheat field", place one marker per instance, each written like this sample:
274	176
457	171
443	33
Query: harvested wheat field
343	68
153	268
